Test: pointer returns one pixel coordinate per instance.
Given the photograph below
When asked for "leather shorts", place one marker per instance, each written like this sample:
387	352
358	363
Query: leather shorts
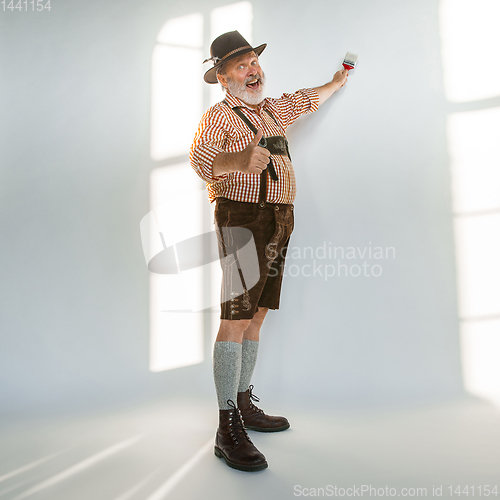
252	240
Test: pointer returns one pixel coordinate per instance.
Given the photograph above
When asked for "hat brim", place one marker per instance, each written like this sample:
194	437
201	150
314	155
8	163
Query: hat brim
211	75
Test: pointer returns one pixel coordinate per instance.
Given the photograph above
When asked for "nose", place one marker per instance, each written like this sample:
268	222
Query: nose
253	72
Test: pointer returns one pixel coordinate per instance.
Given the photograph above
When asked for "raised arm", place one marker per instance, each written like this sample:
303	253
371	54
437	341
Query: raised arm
327	90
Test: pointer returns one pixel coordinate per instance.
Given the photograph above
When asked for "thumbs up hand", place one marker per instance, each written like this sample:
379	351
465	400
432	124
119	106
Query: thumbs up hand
254	159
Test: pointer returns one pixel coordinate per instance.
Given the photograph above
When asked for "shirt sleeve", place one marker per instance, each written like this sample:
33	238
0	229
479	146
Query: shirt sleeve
209	141
290	106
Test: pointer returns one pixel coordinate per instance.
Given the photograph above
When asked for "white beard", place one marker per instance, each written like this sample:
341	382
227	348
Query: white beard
246	95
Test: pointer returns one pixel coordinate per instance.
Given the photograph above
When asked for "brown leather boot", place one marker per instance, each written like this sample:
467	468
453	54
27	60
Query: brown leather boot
233	444
254	418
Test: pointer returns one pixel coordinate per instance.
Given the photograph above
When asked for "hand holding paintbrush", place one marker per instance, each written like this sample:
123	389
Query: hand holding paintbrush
349	63
338	80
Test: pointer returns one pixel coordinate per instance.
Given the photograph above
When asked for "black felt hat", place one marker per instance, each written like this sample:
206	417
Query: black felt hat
224	48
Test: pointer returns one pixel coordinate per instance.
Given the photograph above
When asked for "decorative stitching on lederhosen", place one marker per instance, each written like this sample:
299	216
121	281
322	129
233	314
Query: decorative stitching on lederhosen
228	260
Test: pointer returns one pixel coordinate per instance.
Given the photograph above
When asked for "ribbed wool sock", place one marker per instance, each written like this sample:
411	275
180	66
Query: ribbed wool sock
248	359
227	369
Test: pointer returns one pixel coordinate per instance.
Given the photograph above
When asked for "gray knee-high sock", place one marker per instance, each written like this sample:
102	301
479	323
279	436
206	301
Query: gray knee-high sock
227	369
248	359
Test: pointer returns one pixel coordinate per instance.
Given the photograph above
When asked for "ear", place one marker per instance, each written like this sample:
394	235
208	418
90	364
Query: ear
222	80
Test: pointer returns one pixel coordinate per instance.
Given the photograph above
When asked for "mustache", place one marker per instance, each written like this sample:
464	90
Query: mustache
255	77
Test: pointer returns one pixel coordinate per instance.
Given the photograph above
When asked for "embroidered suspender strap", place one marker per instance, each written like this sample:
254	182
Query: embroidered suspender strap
270	166
263	186
262	142
281	144
246	120
272	116
263	175
275	144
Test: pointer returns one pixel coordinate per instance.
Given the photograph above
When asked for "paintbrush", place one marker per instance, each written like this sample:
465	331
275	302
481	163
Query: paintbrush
350	61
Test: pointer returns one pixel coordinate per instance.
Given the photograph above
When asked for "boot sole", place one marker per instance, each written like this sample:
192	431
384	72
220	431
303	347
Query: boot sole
268	429
247	468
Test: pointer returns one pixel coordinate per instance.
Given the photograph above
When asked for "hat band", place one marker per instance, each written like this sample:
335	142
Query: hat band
217	60
236	50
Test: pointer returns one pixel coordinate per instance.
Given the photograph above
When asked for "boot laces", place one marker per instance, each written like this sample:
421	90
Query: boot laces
253	397
238	429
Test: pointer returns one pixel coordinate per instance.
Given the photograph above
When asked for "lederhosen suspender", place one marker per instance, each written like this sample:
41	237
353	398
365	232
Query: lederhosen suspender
277	145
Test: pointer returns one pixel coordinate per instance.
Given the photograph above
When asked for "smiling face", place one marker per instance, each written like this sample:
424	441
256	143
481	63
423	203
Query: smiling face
244	78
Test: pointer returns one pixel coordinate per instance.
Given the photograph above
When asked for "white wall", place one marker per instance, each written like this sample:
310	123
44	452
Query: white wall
372	170
371	166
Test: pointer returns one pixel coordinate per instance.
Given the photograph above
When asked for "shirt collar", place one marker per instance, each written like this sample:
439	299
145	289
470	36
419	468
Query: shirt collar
234	101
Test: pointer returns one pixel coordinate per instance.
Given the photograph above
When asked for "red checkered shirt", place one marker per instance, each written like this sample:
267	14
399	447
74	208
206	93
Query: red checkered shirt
222	130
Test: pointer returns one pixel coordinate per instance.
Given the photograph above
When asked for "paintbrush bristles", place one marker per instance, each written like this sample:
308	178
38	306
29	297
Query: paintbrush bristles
350	59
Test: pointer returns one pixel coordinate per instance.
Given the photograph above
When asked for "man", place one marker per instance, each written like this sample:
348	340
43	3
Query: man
253	183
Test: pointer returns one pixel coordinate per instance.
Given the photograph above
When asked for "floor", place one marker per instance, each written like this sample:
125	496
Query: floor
165	450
